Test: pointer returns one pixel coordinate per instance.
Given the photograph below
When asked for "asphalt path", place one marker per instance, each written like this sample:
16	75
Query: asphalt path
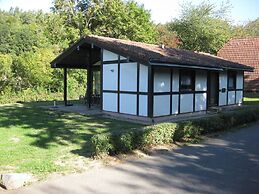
228	163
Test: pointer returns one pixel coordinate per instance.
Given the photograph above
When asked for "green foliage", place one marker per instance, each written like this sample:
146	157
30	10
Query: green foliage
114	143
5	70
159	134
32	68
115	18
166	36
101	144
202	27
30	40
166	133
251	29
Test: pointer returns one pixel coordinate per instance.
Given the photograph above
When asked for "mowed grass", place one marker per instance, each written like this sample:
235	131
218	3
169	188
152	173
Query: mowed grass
251	99
42	142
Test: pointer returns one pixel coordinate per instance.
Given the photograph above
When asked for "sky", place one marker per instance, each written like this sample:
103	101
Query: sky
162	11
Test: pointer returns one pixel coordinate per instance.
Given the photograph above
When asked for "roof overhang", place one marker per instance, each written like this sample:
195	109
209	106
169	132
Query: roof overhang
78	55
184	66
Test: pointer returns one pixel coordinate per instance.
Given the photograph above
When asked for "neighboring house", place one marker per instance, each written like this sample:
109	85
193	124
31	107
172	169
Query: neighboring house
244	51
150	80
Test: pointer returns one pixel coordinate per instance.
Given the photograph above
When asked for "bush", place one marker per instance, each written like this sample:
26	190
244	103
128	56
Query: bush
166	133
115	143
101	144
124	142
159	134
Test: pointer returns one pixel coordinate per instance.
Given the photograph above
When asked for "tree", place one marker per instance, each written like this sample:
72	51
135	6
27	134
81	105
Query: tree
166	36
252	28
75	13
112	18
202	27
5	70
32	69
115	18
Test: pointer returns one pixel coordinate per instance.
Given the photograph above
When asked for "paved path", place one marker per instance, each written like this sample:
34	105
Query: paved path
227	164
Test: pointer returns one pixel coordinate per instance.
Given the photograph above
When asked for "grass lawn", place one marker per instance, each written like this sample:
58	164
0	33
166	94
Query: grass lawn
251	99
41	142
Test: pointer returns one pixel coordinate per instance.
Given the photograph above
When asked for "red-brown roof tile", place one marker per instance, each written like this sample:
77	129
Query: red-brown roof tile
244	51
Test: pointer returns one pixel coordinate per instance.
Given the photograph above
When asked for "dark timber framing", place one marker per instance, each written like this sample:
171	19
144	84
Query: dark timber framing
92	56
138	76
171	89
65	86
101	79
150	91
89	80
119	72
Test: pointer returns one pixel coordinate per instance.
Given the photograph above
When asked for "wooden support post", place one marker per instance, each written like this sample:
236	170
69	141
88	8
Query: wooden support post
89	79
65	86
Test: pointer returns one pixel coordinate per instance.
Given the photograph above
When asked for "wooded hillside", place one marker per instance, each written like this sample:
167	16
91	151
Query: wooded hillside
30	40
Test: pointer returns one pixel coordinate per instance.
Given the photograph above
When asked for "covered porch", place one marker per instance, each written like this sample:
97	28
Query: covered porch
83	56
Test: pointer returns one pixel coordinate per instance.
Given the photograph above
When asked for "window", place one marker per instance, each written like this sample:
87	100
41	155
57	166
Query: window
231	80
187	80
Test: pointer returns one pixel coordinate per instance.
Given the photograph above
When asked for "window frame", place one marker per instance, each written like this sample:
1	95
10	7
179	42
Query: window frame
187	88
232	74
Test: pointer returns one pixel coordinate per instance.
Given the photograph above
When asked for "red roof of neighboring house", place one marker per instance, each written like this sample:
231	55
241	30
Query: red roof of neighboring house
244	51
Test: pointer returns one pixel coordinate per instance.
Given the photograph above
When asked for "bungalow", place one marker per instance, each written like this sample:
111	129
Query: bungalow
244	51
148	80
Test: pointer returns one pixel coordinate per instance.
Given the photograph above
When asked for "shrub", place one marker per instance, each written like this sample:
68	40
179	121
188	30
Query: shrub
101	144
124	142
159	134
166	133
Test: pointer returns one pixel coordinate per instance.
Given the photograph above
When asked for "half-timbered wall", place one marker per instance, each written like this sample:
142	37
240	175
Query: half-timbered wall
126	88
169	100
125	85
234	96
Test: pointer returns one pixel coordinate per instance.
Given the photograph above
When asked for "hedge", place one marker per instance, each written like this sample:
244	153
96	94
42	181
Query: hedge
167	133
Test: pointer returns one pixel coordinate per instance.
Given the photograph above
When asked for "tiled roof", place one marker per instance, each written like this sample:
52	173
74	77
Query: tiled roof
154	54
146	53
244	51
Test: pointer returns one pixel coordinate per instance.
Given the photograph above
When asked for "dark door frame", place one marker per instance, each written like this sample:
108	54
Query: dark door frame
216	88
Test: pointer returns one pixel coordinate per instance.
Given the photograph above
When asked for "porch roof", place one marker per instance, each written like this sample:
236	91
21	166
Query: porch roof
149	54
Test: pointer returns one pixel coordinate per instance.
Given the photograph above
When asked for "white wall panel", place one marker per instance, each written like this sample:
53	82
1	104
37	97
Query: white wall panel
223	81
223	84
110	77
186	103
162	80
110	102
201	81
143	105
239	97
128	104
128	77
231	97
239	84
122	58
175	103
222	98
161	105
109	56
175	80
143	78
200	102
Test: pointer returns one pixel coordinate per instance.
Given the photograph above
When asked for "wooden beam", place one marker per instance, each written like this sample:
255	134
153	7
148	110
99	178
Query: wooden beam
150	91
65	86
89	81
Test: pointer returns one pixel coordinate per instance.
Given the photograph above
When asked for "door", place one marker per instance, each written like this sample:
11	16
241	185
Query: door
213	89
